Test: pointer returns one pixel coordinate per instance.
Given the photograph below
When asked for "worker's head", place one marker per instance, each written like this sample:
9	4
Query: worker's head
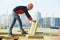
30	6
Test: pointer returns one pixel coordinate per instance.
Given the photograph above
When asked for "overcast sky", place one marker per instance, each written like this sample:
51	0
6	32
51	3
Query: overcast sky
47	8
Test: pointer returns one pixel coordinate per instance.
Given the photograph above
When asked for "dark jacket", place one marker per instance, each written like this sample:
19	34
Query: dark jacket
21	10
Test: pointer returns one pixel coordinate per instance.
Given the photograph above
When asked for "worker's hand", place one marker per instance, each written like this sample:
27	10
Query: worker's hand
33	21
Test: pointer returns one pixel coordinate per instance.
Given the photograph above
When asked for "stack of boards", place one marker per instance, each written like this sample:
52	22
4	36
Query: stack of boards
42	33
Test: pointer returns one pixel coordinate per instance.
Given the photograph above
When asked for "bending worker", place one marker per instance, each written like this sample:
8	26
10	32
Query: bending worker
20	10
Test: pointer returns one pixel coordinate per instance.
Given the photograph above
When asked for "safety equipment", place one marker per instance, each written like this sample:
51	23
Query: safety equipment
30	5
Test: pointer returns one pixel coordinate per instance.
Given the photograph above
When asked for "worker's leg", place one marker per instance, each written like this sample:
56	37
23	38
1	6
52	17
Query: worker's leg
21	27
20	23
13	22
11	26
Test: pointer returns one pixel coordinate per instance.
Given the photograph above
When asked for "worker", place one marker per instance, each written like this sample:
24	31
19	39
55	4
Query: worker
20	10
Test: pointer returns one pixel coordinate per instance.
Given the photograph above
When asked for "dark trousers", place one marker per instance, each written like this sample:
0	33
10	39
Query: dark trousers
16	17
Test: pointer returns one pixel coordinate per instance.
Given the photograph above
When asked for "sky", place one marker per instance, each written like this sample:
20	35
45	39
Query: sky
47	8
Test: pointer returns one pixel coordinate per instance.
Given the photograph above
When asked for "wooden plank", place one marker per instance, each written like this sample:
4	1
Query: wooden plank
8	38
11	37
50	37
1	37
3	33
14	35
36	37
33	28
19	34
32	38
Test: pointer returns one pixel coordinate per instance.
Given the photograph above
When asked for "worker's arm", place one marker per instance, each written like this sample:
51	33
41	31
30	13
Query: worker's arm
28	15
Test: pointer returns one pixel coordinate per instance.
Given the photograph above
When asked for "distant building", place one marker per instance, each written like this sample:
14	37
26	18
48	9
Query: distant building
4	20
47	22
57	22
52	22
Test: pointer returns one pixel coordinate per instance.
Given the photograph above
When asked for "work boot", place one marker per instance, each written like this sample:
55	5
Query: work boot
10	34
24	32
